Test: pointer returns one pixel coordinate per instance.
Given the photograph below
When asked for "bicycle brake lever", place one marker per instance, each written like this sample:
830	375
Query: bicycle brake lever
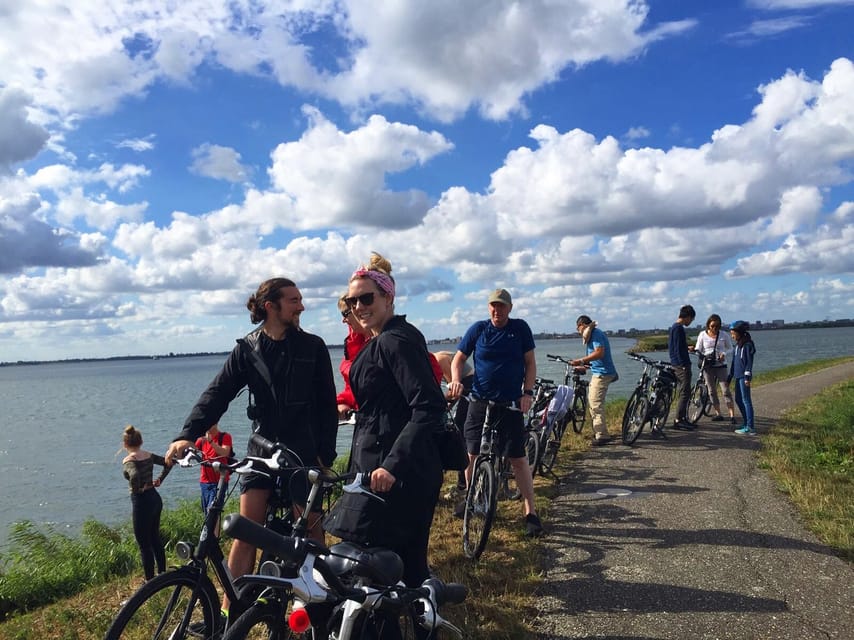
358	487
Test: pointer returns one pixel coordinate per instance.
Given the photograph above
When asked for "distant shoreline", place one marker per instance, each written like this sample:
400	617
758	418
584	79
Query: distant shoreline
622	333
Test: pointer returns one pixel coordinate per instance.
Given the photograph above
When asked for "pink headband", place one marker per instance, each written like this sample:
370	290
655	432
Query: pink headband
383	280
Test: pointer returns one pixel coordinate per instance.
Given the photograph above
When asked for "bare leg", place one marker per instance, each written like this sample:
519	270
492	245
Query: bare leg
525	483
241	558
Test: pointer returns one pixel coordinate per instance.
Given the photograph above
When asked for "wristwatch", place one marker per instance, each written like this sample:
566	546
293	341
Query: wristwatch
528	392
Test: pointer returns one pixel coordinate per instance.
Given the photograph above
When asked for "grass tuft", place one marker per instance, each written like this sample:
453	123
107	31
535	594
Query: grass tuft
810	454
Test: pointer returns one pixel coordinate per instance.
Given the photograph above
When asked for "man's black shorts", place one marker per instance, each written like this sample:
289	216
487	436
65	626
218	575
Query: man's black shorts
511	429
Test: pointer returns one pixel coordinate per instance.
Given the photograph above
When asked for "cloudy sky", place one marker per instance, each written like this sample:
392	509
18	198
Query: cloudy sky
612	157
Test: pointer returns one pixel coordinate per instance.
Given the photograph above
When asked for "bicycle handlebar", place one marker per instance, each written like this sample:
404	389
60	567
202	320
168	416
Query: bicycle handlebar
658	364
505	404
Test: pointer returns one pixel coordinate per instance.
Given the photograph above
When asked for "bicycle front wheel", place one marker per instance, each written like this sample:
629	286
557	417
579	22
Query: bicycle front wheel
481	501
634	416
579	411
696	404
178	604
261	621
708	407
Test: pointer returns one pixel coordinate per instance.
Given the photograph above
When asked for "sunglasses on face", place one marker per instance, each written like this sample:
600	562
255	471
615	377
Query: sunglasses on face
346	313
366	300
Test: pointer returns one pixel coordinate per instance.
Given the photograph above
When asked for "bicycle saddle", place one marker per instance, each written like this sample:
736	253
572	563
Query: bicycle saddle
377	564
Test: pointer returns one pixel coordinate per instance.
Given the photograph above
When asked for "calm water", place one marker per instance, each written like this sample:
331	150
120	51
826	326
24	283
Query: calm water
60	441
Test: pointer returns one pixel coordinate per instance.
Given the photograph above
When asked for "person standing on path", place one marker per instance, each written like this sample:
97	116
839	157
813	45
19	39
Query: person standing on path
505	370
138	469
741	371
602	373
680	358
714	346
215	445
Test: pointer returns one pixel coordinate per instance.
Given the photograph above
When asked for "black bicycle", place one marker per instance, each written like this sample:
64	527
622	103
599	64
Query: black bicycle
340	592
183	601
650	401
482	494
700	403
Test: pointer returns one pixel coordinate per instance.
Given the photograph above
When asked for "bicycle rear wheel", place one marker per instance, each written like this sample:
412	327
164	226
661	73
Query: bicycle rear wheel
696	404
634	416
178	604
481	501
578	413
532	449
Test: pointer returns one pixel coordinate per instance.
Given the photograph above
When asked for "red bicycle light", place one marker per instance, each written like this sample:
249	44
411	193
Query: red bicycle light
298	621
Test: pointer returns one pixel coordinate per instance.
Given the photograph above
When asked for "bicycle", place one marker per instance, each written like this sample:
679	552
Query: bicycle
650	400
332	592
482	494
573	378
183	601
576	413
700	403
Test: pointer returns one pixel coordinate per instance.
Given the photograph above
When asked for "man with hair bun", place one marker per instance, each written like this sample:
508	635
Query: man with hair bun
289	375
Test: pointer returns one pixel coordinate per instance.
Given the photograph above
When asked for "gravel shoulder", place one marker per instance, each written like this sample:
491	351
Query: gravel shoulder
687	538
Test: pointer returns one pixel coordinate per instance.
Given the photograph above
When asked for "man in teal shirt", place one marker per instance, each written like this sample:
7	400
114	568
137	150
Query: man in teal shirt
602	370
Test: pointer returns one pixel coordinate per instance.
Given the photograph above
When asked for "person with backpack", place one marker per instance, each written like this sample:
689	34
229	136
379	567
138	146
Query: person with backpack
741	370
215	445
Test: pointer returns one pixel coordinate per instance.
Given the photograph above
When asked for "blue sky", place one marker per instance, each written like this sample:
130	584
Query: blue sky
610	157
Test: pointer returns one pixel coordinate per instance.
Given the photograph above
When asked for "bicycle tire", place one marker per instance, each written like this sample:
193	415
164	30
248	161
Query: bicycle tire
708	407
481	502
532	450
549	457
634	417
261	621
696	403
165	605
579	411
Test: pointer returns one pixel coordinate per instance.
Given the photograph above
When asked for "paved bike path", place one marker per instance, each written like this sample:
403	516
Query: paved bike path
687	538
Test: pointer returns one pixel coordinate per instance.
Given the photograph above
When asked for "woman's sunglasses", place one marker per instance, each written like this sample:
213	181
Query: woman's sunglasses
346	313
366	300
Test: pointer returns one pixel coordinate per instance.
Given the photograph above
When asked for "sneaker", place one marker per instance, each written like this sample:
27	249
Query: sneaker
718	418
732	420
657	432
685	426
533	526
460	509
745	431
599	440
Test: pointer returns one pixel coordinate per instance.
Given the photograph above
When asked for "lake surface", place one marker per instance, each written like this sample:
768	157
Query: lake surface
60	438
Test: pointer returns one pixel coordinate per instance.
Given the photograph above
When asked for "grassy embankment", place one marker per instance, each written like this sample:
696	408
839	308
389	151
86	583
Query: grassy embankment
810	454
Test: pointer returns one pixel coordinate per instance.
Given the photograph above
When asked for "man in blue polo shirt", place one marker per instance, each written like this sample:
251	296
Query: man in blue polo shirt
504	370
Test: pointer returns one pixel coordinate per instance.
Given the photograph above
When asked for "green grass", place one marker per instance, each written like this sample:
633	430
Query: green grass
810	454
647	344
792	371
